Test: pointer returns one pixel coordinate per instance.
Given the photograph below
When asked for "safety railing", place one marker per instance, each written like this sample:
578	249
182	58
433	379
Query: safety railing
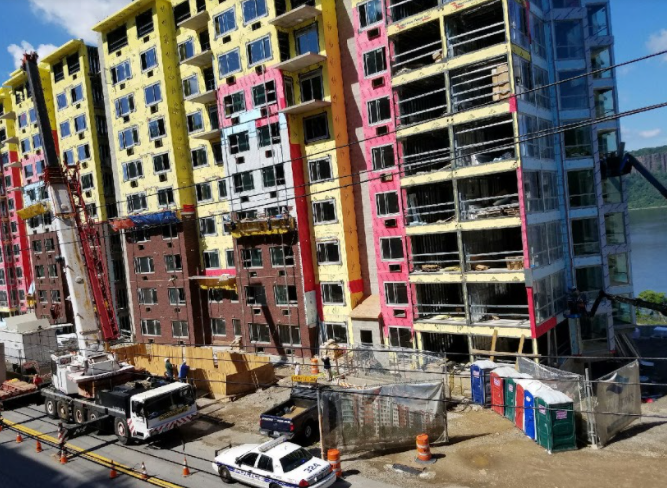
509	260
483	313
440	310
421	108
429	214
414	58
433	160
475	39
490	207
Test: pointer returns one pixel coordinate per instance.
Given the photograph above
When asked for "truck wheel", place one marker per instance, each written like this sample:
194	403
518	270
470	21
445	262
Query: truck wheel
79	414
50	408
122	431
93	415
63	410
308	431
225	476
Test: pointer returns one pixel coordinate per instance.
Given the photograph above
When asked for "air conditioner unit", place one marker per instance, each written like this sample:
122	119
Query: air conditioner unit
78	106
148	309
253	274
84	165
373	33
286	312
257	311
177	310
147	38
240	160
273	194
235	120
259	69
256	25
387	177
245	199
126	118
230	80
154	108
141	247
281	272
390	223
382	131
268	153
377	82
82	136
158	143
400	313
394	268
264	112
134	184
163	177
89	194
226	39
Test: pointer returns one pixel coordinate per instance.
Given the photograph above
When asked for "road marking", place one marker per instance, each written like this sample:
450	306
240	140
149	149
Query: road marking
88	455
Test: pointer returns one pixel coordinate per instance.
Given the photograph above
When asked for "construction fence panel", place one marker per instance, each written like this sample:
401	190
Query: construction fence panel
384	417
618	401
390	363
573	385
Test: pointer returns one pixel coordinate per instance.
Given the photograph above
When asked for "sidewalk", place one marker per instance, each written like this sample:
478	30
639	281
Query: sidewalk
357	481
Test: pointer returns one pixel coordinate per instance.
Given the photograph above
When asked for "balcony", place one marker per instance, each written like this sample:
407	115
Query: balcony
417	51
206	97
494	251
480	84
300	62
201	60
441	302
260	225
485	141
489	197
12	140
303	13
475	29
304	107
430	204
426	152
402	9
434	253
498	304
195	22
214	134
11	115
422	100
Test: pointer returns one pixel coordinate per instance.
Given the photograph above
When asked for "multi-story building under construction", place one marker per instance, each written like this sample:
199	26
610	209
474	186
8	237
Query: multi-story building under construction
479	138
485	212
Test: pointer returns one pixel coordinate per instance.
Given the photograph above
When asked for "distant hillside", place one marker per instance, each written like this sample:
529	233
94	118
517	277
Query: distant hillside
640	193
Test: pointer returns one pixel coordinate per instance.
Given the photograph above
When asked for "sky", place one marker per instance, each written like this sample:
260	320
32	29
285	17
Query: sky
639	28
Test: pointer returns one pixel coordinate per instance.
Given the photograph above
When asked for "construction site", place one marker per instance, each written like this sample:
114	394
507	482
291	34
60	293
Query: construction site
394	233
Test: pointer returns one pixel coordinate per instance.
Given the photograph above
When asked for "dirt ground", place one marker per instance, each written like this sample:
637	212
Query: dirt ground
487	450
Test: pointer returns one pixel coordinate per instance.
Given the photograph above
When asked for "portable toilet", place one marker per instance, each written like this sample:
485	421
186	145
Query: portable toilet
524	418
554	420
510	394
498	376
480	381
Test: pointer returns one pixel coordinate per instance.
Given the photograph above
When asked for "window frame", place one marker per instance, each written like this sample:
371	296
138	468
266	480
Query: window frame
331	201
383	53
264	40
235	51
219	33
324	284
395	293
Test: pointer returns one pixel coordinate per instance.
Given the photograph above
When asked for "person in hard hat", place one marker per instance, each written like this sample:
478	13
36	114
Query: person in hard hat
183	372
168	369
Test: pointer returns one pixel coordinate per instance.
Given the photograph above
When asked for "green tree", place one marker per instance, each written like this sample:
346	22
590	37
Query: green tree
656	297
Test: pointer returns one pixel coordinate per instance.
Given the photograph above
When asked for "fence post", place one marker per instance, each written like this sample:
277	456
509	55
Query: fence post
319	421
592	427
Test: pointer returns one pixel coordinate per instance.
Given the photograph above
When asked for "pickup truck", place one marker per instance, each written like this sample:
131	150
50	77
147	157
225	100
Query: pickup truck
296	417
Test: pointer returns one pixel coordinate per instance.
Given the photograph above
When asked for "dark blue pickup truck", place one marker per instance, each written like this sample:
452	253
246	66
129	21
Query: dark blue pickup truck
294	418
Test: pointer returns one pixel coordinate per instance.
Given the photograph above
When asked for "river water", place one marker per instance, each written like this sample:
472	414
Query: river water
648	234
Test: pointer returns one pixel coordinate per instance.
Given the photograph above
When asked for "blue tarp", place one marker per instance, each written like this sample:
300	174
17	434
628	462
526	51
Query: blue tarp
162	218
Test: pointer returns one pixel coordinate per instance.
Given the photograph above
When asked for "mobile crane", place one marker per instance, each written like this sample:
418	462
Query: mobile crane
91	386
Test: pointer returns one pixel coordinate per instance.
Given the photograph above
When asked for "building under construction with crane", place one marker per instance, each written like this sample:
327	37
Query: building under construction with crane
427	174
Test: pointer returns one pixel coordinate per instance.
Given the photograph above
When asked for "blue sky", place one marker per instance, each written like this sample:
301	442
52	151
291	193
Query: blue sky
639	27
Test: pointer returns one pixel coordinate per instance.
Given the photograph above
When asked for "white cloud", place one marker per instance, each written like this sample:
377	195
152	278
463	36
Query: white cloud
77	17
649	134
17	51
658	42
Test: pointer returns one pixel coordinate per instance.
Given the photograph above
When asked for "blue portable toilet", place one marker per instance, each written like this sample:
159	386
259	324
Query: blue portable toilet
524	417
480	381
530	389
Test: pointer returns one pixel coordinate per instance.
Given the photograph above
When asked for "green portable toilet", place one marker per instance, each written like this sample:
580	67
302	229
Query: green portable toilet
510	394
554	420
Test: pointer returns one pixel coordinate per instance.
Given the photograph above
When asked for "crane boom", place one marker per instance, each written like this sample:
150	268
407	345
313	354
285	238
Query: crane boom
637	302
79	239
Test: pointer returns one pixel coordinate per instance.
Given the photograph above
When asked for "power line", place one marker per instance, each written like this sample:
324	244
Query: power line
539	135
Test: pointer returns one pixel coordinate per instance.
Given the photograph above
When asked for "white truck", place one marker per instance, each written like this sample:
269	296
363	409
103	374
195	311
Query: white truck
90	385
137	410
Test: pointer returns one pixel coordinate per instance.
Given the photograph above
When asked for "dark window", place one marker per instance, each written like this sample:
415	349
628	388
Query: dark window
316	128
144	23
58	72
73	64
117	39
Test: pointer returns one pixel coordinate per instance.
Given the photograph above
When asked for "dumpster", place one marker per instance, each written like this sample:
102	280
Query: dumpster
524	416
554	420
510	394
498	376
480	381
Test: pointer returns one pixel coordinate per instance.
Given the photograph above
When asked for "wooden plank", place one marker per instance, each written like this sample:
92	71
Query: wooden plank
520	349
482	352
494	339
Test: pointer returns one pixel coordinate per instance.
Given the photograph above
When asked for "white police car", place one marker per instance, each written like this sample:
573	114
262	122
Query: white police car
274	464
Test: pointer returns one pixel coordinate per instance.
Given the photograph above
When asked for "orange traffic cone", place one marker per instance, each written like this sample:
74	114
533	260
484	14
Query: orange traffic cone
186	470
63	456
113	474
38	446
144	473
18	437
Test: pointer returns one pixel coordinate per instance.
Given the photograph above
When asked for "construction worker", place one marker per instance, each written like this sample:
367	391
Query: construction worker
36	380
183	372
168	369
327	367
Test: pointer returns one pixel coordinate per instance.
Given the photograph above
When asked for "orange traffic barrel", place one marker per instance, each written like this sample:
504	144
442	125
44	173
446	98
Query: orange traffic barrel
423	448
314	366
333	456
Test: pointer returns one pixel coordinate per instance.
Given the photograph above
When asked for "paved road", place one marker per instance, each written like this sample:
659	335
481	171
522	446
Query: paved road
21	466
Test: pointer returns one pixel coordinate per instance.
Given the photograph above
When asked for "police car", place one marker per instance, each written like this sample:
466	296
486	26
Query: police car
274	464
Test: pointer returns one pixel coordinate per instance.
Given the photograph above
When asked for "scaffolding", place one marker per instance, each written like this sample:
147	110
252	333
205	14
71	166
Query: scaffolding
475	29
422	100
